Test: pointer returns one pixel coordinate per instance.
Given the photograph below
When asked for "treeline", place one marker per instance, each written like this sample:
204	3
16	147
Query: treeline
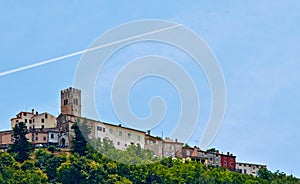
100	162
58	167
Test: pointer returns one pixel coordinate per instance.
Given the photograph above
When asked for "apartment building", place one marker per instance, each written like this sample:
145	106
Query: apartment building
249	168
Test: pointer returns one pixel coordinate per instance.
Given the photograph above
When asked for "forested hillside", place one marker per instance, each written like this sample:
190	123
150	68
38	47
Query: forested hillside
100	162
93	167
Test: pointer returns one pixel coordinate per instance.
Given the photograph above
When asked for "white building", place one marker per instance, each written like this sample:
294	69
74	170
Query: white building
249	168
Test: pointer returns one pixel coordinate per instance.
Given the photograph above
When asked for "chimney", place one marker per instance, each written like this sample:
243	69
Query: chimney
32	111
36	113
176	140
227	153
148	132
120	125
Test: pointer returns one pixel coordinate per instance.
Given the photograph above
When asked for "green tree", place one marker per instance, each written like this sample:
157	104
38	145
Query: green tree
21	148
79	143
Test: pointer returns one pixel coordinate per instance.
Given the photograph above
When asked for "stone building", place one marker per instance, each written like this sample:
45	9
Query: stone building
71	113
34	120
70	102
163	148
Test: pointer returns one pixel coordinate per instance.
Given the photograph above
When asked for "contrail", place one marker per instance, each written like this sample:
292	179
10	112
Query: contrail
84	51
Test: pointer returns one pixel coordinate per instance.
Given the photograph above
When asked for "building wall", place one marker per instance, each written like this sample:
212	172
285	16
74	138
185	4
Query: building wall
248	168
22	117
53	137
153	144
44	120
38	137
6	138
121	137
187	152
172	148
228	161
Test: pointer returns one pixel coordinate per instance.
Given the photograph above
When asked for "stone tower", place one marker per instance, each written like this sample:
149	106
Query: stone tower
71	101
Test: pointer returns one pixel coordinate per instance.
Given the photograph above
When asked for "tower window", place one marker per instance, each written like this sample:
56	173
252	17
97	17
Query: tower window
46	116
43	120
66	102
75	101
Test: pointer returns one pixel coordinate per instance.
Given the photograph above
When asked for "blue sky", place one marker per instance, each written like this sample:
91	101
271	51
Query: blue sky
256	43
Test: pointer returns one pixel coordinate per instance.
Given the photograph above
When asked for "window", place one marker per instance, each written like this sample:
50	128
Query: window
43	120
120	133
33	121
128	135
188	153
44	138
17	121
52	136
25	120
172	147
99	128
231	164
76	101
43	126
25	114
210	159
125	145
103	129
245	171
36	133
66	102
30	121
225	163
36	138
118	143
111	130
46	116
138	138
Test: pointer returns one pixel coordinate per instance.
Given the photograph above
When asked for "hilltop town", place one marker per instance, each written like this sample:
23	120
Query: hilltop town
47	130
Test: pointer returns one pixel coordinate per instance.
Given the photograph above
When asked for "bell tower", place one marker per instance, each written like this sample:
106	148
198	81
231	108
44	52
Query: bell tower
70	101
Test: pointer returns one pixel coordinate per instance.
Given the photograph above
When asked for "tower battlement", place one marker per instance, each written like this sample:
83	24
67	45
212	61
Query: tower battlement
71	101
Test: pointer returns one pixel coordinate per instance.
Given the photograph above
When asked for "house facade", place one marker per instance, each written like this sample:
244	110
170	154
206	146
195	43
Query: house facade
249	168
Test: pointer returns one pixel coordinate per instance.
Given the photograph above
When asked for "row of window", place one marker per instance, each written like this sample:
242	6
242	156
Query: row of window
225	163
75	101
31	121
102	129
34	127
37	138
249	165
